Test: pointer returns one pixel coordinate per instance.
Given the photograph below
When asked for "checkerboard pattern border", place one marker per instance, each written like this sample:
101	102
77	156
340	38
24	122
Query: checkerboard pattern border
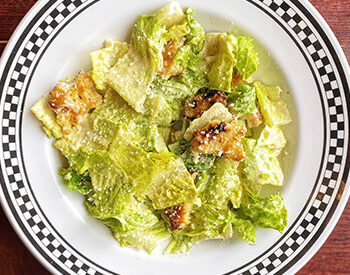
77	263
335	156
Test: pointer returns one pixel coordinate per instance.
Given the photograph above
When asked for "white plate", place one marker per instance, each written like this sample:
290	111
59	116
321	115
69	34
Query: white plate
53	41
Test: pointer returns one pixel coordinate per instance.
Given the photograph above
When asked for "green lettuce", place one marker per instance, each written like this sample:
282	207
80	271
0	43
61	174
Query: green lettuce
132	221
195	69
152	32
261	165
161	176
266	212
131	77
273	108
272	140
220	75
194	162
146	237
224	185
243	98
43	112
167	103
77	182
245	227
247	59
103	60
179	244
170	15
195	37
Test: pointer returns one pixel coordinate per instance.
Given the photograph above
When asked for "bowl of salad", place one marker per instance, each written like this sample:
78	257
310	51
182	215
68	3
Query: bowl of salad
166	137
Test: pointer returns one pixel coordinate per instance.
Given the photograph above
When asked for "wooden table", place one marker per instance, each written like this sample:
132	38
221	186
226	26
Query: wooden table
332	258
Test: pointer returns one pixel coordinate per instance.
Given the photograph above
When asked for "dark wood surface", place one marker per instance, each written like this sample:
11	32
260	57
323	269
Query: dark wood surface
332	258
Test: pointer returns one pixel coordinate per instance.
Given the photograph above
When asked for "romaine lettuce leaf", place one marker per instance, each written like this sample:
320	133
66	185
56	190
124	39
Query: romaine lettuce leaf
77	182
209	222
273	108
224	186
195	70
147	237
194	74
151	33
247	59
266	212
148	38
167	103
242	99
132	221
131	77
160	176
43	112
103	60
272	140
194	162
195	37
171	15
179	244
211	47
260	167
245	228
220	75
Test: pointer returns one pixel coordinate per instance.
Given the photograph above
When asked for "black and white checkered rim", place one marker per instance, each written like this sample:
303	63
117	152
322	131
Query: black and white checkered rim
28	218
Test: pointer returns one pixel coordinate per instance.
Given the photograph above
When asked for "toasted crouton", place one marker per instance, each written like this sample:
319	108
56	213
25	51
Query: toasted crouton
197	105
220	139
178	216
72	100
236	79
170	67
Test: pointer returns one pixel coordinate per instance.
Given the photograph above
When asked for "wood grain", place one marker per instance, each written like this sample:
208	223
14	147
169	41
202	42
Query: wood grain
332	258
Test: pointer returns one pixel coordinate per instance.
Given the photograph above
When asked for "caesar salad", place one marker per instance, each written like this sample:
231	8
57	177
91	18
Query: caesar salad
169	137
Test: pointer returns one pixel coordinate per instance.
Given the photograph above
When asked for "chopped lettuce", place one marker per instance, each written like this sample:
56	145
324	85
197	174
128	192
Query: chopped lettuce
247	59
194	162
171	15
43	112
242	99
180	243
194	74
166	104
160	176
245	228
273	108
272	140
224	186
195	70
220	75
132	221
151	32
131	77
77	182
103	60
148	38
261	165
210	49
266	212
209	222
195	37
146	236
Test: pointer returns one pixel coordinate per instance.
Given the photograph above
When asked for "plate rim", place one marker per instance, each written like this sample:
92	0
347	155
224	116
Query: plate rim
336	215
